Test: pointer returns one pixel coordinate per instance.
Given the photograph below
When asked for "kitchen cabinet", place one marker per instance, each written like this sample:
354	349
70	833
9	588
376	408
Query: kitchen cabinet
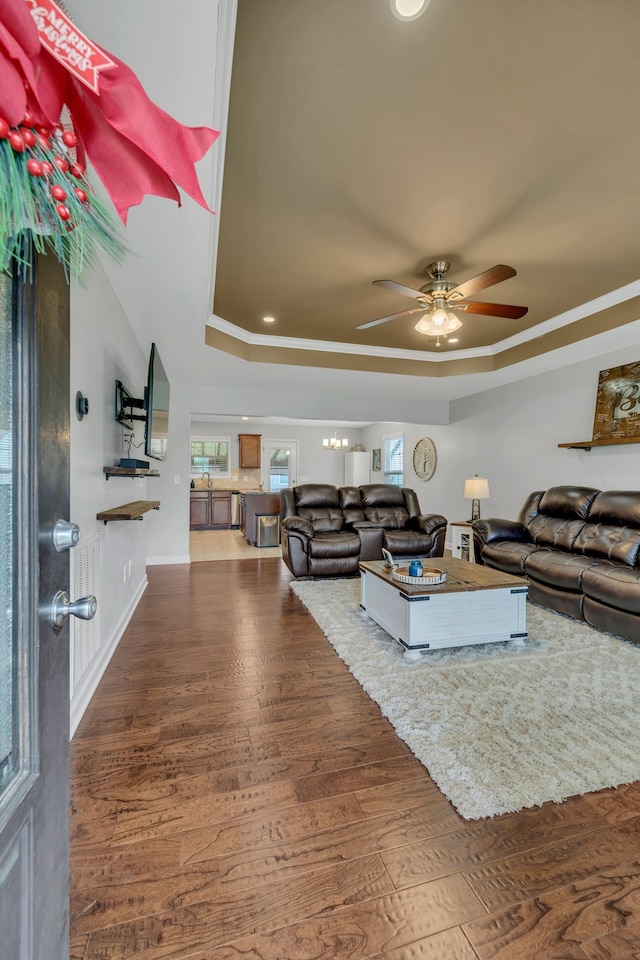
199	509
249	455
210	510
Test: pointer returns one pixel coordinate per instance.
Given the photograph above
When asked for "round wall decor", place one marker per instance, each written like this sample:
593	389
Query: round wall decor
424	458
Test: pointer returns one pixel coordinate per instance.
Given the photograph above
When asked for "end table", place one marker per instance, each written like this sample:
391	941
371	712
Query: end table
462	540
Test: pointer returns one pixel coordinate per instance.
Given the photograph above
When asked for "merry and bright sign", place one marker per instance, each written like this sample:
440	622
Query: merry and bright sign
59	35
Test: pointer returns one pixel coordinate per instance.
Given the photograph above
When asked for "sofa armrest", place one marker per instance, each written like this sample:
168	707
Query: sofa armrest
427	522
297	525
494	529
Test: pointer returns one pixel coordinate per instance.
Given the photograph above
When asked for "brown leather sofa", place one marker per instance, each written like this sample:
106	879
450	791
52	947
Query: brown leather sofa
326	531
580	550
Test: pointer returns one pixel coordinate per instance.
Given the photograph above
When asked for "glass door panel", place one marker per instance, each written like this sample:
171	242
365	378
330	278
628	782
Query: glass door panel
279	464
17	564
9	753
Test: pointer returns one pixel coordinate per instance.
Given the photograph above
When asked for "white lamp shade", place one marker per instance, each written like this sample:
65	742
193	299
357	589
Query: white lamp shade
335	442
476	488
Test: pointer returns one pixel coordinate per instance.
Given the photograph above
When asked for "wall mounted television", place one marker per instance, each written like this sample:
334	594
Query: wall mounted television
155	405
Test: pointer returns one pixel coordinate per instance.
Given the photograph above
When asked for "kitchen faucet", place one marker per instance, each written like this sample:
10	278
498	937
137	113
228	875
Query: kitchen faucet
208	475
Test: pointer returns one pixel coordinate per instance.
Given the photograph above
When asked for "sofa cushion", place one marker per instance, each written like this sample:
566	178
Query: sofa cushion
382	494
562	512
408	543
608	542
613	529
316	495
508	556
572	503
333	545
561	570
351	503
323	520
615	585
319	504
620	507
391	518
554	531
384	503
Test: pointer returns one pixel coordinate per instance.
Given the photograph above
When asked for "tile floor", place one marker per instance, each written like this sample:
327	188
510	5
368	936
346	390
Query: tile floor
225	545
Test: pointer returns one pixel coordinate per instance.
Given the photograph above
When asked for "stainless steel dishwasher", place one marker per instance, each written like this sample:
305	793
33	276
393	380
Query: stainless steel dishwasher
235	509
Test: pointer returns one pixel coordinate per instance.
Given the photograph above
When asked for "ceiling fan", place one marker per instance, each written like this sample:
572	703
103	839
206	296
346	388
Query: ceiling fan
442	299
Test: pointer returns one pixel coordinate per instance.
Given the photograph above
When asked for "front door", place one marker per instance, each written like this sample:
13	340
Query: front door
34	655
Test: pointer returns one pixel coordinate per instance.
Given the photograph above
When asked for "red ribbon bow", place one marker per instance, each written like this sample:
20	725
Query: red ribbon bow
134	146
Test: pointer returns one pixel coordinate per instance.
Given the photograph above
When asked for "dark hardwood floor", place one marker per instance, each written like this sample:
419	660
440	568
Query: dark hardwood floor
235	794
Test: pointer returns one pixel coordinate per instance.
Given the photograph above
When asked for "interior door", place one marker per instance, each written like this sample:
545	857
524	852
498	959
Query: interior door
34	655
279	464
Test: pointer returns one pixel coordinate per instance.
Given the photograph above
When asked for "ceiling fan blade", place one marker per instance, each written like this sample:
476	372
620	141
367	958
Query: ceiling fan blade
394	316
493	309
399	288
483	280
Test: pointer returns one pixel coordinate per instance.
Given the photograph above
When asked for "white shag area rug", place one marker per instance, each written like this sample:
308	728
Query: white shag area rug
500	726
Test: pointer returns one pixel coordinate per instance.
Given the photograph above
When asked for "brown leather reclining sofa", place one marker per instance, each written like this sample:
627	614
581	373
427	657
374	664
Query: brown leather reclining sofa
327	530
580	550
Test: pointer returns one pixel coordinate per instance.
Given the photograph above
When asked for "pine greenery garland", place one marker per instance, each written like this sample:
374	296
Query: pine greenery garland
55	209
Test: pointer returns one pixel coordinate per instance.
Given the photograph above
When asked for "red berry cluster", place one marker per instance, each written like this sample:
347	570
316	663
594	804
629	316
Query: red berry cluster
54	142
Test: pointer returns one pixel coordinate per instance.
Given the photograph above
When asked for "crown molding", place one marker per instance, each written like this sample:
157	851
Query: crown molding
539	334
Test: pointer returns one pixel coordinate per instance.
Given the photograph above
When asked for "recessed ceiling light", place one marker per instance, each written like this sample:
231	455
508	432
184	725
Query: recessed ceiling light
269	319
244	418
408	9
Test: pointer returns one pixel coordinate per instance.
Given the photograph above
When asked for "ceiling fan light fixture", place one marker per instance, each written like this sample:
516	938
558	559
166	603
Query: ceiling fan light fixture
408	9
439	318
438	323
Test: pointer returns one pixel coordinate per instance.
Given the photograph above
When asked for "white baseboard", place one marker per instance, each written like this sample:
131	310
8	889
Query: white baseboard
162	561
87	686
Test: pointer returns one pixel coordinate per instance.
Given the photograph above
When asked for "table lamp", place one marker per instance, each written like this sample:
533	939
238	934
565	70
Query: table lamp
476	489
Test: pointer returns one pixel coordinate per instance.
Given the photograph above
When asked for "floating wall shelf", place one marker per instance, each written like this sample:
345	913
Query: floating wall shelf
587	444
128	472
129	511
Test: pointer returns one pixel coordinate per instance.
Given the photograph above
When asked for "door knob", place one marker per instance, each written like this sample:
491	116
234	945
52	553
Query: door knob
62	608
65	535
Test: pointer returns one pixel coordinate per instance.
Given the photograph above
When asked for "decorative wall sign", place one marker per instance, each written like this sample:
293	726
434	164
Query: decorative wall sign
617	415
424	458
64	41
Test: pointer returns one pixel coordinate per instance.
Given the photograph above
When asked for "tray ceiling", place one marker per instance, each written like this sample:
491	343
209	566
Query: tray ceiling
360	147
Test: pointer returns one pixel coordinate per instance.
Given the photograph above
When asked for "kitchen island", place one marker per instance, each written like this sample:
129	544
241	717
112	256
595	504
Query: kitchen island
252	505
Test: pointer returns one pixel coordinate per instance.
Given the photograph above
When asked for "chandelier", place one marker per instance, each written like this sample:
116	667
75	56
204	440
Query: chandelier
438	322
334	442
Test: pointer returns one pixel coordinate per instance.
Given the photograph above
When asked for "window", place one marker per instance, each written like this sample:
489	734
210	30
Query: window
393	465
210	456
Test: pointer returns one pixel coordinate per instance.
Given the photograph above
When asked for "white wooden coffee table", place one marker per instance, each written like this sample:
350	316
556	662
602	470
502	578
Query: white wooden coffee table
474	605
